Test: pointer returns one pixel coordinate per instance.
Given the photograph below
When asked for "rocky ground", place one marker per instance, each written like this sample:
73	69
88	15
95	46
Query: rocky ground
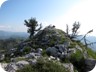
50	44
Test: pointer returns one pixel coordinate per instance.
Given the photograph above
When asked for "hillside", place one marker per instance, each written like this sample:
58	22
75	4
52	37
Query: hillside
6	35
49	50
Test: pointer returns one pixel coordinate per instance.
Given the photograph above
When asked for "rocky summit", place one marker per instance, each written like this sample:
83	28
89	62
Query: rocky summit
49	49
50	36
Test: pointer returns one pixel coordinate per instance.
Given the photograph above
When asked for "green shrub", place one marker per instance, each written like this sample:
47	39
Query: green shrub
77	60
91	53
44	66
44	53
77	56
26	50
72	45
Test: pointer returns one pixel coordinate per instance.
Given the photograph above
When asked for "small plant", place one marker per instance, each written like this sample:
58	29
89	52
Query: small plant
72	45
26	50
76	56
44	66
91	53
77	60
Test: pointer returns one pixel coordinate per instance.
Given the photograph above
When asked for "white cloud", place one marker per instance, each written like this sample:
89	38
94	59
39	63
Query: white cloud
84	12
5	27
19	28
2	26
13	28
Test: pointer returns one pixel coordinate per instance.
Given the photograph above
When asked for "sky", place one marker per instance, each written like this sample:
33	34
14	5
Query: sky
55	12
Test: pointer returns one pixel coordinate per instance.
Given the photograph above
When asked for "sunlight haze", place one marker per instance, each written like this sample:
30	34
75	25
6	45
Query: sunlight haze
56	12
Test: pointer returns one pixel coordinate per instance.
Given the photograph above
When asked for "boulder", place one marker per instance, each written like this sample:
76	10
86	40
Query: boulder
2	56
66	44
50	36
33	55
21	64
89	64
30	55
61	48
2	68
79	48
52	51
11	67
39	50
3	65
72	50
32	50
32	61
69	66
57	51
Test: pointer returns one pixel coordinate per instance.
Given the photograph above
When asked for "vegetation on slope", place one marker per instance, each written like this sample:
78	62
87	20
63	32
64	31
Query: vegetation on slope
49	37
44	66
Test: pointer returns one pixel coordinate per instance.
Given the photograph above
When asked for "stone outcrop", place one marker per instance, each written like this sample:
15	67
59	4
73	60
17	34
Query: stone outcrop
60	51
69	66
56	45
89	64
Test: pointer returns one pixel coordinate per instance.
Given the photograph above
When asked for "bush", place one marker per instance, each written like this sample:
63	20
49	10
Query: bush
27	49
77	56
44	66
91	53
72	45
77	60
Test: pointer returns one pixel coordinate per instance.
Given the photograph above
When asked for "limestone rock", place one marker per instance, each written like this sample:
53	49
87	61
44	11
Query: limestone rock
11	67
2	56
89	64
69	66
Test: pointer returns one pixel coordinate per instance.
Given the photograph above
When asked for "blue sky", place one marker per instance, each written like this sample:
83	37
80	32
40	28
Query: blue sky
55	12
14	12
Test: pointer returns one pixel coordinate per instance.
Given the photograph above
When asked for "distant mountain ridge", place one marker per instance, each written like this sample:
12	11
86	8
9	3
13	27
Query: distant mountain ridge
90	39
8	34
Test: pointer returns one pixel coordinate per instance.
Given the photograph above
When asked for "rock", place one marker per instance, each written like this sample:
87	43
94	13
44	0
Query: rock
2	68
13	59
3	65
32	50
62	57
89	64
61	48
50	36
39	50
69	66
2	56
13	49
66	44
11	67
52	58
52	51
59	51
37	54
21	64
72	50
33	55
32	61
30	55
79	48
